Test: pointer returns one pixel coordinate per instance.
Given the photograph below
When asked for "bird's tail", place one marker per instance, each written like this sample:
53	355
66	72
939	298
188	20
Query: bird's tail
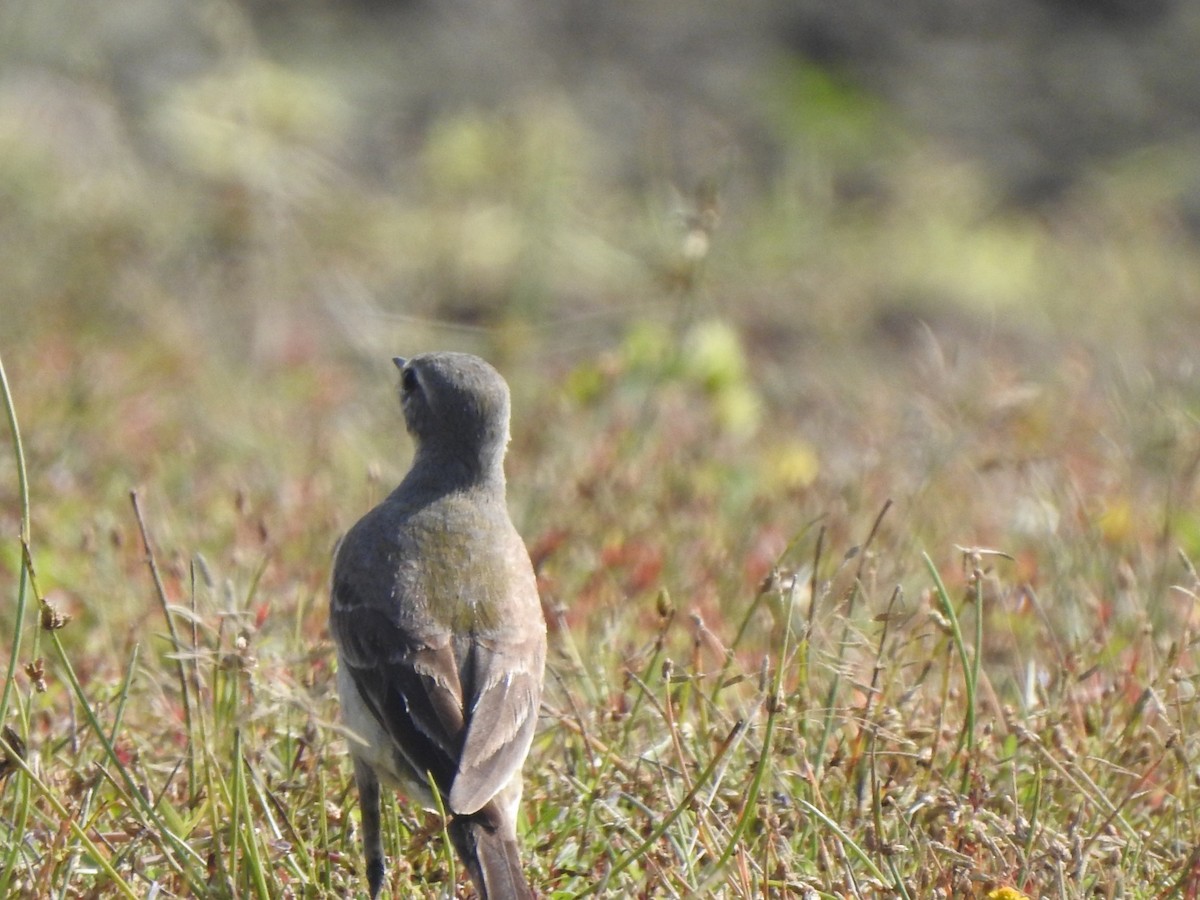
491	858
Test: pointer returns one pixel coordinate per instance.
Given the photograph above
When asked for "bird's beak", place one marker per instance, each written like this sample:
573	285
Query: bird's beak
400	362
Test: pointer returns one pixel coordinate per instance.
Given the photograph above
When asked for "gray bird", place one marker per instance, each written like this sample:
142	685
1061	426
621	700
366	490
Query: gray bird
439	630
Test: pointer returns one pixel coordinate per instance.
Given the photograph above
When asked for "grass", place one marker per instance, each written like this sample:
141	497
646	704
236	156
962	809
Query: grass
864	507
755	690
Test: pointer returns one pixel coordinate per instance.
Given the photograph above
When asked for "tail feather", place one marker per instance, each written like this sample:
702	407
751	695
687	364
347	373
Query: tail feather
492	860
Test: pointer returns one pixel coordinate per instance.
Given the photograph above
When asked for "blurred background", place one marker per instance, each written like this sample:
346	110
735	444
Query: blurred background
828	242
260	179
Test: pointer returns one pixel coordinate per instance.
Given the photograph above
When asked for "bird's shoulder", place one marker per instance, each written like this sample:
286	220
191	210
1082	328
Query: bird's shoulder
447	555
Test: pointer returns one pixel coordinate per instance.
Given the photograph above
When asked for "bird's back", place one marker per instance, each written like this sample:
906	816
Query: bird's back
449	561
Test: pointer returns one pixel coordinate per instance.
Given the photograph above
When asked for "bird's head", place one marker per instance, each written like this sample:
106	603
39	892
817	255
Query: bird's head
456	407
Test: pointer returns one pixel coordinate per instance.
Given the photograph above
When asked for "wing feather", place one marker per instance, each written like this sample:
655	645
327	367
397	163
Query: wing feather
502	718
410	684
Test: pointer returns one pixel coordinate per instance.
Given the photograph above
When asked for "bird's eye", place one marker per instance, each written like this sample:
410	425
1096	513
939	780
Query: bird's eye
408	381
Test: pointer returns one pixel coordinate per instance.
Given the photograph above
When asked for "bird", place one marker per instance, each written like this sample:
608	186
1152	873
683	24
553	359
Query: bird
439	629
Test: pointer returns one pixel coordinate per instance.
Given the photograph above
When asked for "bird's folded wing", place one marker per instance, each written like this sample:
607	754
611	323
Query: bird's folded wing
410	683
501	717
